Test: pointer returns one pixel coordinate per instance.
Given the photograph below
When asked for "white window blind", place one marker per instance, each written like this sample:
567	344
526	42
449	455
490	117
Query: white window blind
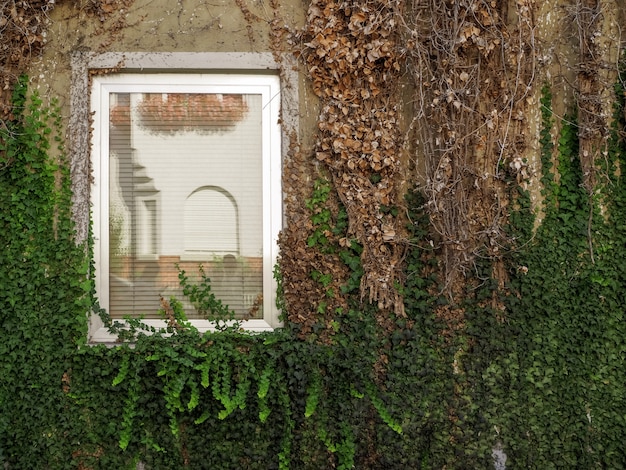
186	176
199	157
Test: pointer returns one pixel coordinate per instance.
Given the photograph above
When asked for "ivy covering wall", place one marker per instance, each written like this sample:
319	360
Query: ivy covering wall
540	387
512	357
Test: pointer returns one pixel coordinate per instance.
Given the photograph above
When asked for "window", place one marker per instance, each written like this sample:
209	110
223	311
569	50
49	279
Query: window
187	172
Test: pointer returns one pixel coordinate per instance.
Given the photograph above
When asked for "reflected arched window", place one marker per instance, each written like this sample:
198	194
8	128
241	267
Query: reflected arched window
211	222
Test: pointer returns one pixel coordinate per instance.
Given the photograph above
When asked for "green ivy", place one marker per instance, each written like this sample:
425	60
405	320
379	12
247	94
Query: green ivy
534	371
543	380
43	296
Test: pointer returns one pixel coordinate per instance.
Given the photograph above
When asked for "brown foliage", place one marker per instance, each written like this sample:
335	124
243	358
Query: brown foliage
472	68
351	52
310	304
22	29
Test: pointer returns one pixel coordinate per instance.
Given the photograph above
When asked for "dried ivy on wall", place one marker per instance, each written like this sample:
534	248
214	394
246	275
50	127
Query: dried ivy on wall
23	29
351	53
473	69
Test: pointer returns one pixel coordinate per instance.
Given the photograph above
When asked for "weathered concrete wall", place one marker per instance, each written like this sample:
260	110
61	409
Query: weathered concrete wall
160	26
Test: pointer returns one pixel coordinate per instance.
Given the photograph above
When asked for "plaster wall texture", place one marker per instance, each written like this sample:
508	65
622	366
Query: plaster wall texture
181	35
155	26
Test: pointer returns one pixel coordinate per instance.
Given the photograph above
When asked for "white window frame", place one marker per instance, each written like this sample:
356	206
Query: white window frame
265	84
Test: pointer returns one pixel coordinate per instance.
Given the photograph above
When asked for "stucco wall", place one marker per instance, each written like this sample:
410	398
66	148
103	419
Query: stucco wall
75	36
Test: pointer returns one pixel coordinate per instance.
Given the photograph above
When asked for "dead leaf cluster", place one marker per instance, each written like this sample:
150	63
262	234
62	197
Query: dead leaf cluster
352	56
351	51
311	305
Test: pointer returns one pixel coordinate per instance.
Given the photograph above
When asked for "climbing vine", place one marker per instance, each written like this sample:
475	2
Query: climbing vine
44	293
350	52
398	350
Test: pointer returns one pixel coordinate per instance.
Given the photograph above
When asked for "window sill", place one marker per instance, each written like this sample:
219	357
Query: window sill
101	334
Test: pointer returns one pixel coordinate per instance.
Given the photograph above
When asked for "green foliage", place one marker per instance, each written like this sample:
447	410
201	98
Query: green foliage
321	215
205	302
541	375
327	227
173	398
533	369
43	298
546	142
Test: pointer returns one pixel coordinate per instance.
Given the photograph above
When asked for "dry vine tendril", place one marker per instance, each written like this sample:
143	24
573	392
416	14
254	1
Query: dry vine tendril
472	71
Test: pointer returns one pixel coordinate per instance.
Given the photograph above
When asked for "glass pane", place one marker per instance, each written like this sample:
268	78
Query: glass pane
185	189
